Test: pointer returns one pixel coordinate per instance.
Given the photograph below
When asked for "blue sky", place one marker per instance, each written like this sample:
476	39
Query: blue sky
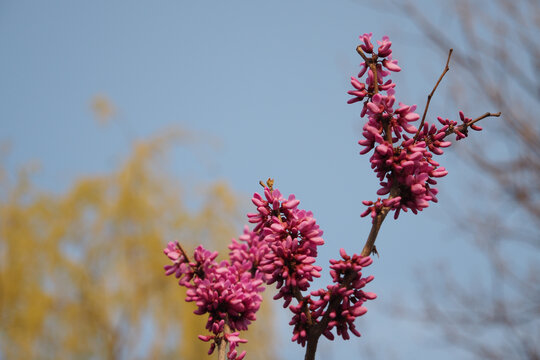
265	84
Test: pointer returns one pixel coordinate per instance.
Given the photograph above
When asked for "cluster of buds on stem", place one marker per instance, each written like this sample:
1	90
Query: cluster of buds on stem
293	236
229	291
282	249
402	155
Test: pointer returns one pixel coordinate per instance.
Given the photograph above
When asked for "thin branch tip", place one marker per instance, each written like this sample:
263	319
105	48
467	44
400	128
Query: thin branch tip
430	95
448	59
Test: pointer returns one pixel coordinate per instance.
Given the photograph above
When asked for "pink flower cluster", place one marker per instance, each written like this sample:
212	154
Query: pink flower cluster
352	297
229	292
293	236
402	154
282	249
338	305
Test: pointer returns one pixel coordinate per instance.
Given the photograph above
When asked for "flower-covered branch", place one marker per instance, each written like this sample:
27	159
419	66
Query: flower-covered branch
283	246
293	237
281	250
402	156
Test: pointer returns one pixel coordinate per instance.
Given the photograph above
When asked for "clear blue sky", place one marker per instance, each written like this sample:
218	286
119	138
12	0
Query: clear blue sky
269	80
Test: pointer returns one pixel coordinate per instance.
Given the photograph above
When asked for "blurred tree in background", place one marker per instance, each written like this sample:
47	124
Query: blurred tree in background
498	47
80	271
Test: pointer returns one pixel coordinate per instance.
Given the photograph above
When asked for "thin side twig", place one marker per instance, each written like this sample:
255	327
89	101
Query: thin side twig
446	68
488	114
463	128
184	253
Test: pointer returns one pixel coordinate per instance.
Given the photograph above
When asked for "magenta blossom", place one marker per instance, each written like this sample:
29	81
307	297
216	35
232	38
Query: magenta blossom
229	292
403	163
293	237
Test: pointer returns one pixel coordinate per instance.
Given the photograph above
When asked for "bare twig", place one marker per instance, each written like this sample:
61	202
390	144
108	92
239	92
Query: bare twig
446	68
488	114
361	53
184	253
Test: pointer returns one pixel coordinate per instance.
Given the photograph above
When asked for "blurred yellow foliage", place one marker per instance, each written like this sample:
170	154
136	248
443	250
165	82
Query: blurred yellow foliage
103	109
81	272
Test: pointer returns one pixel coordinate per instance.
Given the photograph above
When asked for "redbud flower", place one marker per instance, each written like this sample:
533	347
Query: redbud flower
225	291
384	47
367	46
390	64
359	93
300	321
234	340
404	165
347	290
182	270
248	252
292	235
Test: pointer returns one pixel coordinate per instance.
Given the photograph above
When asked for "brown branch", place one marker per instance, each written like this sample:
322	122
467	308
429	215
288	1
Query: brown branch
316	331
305	308
222	343
311	347
446	68
373	67
369	247
488	114
463	128
372	63
361	53
184	253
